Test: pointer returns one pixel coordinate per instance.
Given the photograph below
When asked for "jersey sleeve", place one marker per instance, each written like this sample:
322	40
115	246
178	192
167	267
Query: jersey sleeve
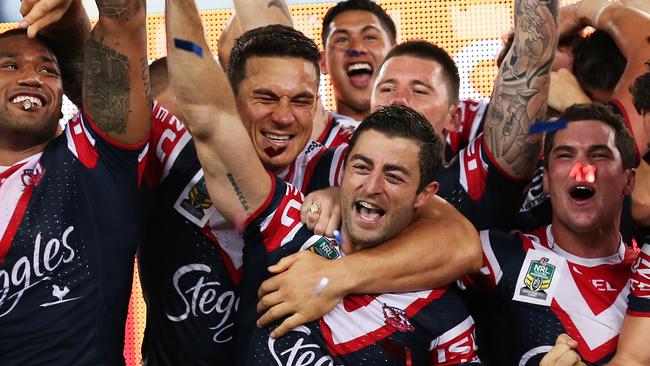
167	139
328	171
472	117
457	346
639	298
480	190
499	250
91	146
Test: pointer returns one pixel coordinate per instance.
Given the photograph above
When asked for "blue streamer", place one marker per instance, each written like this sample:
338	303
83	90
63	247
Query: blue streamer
547	126
188	46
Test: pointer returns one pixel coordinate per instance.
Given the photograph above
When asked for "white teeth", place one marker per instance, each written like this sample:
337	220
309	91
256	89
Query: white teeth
23	98
367	205
277	137
362	66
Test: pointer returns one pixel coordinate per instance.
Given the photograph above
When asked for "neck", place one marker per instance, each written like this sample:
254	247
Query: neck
10	155
348	110
599	243
348	246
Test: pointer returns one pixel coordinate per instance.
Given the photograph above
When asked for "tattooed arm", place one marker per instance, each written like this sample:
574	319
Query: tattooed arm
66	25
236	180
521	88
257	13
116	90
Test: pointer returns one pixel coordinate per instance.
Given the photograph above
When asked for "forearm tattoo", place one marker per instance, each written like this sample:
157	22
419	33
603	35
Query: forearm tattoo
116	9
107	88
521	91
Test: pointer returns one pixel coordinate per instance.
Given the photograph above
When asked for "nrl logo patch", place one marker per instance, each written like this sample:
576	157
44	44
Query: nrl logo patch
397	318
538	278
194	203
326	248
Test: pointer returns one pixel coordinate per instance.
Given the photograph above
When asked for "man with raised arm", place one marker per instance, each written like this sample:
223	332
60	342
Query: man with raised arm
68	202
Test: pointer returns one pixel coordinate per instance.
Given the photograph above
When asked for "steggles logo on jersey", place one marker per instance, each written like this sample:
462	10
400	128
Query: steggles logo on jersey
26	274
300	353
535	195
539	277
203	297
397	318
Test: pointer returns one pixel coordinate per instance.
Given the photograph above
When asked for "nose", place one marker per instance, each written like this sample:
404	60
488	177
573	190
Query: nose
400	98
29	77
282	113
374	183
355	47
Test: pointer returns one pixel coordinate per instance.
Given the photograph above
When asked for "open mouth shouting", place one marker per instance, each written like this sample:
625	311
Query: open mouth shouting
368	212
360	74
582	192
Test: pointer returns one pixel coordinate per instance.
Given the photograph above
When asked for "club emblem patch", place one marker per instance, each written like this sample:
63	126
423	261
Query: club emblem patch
326	248
194	202
538	278
397	318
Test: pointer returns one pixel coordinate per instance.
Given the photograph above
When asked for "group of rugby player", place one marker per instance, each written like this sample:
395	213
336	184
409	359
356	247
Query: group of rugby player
271	231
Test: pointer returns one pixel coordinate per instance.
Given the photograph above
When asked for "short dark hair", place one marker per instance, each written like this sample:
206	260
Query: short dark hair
23	32
364	5
641	92
599	112
429	51
270	41
597	62
158	76
400	121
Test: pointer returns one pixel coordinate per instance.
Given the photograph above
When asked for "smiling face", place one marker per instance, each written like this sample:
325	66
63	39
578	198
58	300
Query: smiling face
419	84
582	206
379	190
355	47
277	101
31	88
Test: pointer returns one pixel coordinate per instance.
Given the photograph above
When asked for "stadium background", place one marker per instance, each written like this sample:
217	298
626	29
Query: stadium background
470	30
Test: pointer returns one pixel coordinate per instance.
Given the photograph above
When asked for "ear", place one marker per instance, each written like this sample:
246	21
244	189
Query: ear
630	176
426	195
545	181
453	123
323	64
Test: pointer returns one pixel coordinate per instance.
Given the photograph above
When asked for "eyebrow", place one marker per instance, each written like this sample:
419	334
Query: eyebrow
269	92
412	82
364	29
590	148
8	54
386	168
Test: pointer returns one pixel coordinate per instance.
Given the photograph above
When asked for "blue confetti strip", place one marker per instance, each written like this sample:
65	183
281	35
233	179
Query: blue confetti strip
188	46
547	126
338	237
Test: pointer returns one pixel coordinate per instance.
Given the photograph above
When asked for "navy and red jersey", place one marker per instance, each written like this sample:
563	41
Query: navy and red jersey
69	228
639	300
472	119
536	291
479	189
430	327
337	131
191	259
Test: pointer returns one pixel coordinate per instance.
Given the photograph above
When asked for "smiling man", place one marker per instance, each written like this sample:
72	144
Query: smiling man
356	36
68	212
571	276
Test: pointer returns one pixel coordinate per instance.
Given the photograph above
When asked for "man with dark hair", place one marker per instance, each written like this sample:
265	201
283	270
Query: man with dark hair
356	36
158	76
382	190
598	65
190	292
571	276
68	207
